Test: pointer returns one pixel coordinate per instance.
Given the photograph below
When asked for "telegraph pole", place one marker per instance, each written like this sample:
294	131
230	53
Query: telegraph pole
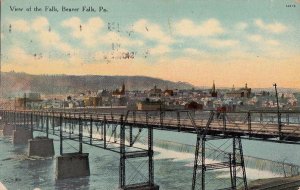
278	113
1	49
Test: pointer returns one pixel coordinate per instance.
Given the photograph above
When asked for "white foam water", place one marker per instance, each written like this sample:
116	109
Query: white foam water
176	156
2	187
252	174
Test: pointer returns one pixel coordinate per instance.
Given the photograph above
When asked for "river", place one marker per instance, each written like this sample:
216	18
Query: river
173	164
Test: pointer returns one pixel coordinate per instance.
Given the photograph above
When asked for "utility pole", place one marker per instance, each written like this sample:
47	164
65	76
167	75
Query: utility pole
25	102
1	93
278	113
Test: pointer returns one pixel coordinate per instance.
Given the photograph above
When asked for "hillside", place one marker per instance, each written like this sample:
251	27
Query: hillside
18	83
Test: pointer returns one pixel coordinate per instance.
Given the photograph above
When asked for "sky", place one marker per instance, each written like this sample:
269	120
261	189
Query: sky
231	42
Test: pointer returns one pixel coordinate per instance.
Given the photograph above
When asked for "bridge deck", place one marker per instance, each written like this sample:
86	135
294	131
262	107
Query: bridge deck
245	124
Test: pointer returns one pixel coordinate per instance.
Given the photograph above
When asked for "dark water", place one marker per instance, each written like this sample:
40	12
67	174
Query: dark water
173	168
20	172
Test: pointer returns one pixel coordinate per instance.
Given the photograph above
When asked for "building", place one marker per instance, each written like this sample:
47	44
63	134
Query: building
33	96
149	105
213	91
155	92
106	97
168	92
104	93
193	106
30	100
118	92
240	93
93	101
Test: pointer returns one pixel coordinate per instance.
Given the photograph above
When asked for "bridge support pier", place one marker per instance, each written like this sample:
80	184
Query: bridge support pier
223	159
141	187
41	146
234	163
1	125
21	135
126	156
8	129
72	165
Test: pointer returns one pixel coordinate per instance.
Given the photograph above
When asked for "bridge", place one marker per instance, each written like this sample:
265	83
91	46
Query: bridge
118	131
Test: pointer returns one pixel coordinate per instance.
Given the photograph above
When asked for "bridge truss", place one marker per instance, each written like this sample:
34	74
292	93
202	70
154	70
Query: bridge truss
121	133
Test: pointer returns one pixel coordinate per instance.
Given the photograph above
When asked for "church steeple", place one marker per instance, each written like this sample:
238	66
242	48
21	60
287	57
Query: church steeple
123	88
213	91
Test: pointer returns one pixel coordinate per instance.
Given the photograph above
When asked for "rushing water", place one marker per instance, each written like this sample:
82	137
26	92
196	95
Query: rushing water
173	164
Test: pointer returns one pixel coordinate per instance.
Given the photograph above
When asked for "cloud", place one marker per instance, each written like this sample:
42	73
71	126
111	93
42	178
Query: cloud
52	39
36	25
20	25
272	42
276	27
88	32
216	43
48	39
16	54
191	51
73	23
262	41
196	52
255	38
151	31
40	29
159	50
22	61
91	33
116	38
241	26
187	27
40	24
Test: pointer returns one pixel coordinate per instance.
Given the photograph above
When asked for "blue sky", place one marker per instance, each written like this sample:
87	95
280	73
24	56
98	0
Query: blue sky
229	41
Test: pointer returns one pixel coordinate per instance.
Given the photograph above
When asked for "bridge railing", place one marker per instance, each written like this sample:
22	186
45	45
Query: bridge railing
259	122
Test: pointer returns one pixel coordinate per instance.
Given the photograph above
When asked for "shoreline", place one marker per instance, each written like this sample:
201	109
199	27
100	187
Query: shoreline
2	187
278	183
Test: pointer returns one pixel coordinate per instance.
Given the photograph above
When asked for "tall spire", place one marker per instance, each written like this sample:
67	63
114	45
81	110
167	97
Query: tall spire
123	87
213	90
213	87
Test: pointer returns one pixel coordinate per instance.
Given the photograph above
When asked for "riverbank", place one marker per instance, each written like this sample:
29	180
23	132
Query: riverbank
2	187
278	183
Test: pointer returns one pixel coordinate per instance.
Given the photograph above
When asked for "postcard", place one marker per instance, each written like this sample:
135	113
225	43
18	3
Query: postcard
163	94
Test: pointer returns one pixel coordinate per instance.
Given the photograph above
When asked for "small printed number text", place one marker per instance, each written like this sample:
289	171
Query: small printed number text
290	5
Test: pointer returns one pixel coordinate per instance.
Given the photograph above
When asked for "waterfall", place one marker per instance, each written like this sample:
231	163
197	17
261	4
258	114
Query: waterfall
281	168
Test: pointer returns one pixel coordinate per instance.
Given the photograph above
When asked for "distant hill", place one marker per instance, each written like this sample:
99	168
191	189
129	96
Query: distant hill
17	83
280	89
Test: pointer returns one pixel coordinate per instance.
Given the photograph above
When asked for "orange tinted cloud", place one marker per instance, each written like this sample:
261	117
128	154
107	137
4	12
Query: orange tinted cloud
257	73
